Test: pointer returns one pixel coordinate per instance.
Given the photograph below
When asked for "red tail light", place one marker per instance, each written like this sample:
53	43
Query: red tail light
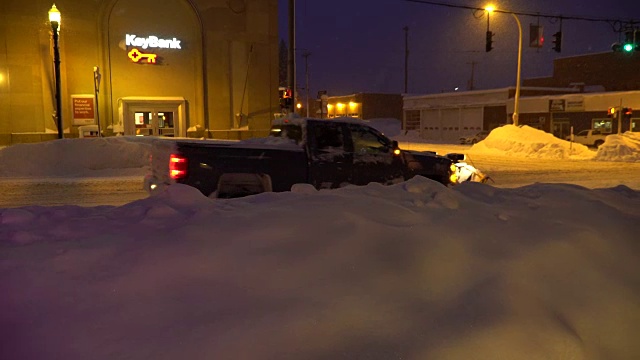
177	166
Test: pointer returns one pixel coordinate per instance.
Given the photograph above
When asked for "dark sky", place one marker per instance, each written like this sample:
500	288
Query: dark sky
358	45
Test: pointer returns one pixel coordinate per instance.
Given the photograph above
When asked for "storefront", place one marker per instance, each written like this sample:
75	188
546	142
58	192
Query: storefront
562	114
139	67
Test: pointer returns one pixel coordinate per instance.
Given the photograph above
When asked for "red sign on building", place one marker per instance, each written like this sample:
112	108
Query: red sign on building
83	107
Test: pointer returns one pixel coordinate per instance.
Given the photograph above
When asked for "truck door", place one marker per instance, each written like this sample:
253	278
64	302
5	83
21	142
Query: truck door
330	164
373	158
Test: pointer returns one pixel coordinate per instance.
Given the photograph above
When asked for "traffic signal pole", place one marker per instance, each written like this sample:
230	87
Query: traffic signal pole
291	78
620	118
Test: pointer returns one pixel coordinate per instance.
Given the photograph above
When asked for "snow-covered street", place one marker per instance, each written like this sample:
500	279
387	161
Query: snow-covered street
414	270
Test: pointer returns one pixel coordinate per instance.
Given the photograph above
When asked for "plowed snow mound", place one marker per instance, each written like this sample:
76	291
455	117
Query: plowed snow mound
525	141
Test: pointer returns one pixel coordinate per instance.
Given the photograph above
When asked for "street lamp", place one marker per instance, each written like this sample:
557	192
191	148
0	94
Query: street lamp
517	96
516	99
54	19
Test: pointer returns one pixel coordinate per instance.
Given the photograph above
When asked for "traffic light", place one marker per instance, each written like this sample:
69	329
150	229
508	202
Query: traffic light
611	112
627	111
536	39
630	43
557	41
489	44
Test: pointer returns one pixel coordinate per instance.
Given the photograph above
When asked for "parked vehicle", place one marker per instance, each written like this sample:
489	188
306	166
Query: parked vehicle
588	137
324	153
473	139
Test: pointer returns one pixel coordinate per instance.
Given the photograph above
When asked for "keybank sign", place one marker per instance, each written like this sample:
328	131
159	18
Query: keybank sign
152	42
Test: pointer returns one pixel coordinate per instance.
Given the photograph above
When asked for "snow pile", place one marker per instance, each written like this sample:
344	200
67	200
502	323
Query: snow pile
525	141
76	157
625	147
369	272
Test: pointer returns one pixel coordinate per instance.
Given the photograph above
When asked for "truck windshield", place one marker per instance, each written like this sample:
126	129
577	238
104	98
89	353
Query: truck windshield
293	132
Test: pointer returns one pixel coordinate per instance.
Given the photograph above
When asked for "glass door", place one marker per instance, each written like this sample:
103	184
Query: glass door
154	122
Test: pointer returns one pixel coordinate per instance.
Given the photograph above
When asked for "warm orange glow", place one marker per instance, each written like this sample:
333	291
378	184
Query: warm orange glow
299	106
54	15
396	151
340	105
352	104
329	106
490	8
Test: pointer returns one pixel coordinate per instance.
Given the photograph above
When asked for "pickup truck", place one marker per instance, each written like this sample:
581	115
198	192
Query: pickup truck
324	153
588	138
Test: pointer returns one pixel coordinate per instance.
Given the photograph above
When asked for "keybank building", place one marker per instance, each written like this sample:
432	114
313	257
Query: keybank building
182	68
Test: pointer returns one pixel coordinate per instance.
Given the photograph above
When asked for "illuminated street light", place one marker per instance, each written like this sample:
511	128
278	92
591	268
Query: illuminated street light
54	19
516	99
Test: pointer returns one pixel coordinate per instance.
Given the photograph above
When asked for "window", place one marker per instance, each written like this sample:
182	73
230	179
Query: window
603	125
328	136
412	119
365	141
293	132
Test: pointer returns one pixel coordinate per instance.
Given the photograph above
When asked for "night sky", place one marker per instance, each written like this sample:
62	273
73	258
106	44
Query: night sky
358	45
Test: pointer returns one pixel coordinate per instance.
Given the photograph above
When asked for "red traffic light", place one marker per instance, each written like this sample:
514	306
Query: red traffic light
627	111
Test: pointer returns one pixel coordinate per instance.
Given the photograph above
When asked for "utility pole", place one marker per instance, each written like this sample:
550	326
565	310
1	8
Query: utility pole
305	55
291	77
406	58
473	66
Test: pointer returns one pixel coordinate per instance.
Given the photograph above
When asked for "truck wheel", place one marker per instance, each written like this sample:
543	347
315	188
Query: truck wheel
598	143
233	185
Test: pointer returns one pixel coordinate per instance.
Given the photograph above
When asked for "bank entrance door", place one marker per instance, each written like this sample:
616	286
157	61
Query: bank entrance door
159	116
154	121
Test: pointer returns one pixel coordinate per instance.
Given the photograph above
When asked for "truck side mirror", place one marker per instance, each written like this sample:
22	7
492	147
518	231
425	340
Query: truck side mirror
395	148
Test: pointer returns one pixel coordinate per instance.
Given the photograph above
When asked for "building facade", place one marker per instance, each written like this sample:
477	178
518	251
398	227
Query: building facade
561	114
609	71
449	116
363	106
139	67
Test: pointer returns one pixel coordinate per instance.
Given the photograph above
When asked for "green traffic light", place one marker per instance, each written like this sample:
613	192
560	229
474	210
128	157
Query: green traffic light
627	47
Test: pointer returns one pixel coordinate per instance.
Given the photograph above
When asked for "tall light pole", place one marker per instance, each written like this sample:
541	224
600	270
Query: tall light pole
305	55
291	78
406	58
54	19
516	99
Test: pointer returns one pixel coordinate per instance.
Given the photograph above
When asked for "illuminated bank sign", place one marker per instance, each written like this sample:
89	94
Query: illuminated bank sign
152	42
148	43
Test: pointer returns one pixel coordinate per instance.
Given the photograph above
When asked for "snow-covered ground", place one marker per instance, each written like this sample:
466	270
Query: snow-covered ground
410	271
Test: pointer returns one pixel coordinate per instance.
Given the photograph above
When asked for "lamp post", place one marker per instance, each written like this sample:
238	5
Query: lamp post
54	19
516	99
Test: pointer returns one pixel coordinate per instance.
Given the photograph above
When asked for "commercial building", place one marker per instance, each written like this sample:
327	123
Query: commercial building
449	116
577	96
363	106
139	67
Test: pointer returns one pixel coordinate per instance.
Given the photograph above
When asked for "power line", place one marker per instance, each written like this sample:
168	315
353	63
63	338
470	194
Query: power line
532	14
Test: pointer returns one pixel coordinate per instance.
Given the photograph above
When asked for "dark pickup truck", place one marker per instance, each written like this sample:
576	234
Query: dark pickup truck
325	153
